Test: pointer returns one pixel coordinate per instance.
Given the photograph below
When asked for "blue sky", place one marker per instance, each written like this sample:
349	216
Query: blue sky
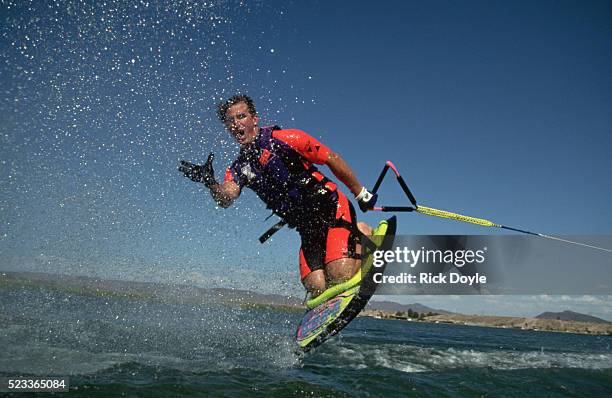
493	109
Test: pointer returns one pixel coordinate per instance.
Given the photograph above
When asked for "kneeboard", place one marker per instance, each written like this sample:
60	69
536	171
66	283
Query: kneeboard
333	309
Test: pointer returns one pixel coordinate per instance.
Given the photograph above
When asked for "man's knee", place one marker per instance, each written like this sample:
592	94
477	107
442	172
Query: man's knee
342	269
364	228
315	282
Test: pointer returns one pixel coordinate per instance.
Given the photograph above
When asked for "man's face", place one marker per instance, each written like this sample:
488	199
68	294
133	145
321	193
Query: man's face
241	123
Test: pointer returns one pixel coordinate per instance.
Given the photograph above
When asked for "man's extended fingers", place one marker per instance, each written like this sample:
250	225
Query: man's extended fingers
185	166
211	156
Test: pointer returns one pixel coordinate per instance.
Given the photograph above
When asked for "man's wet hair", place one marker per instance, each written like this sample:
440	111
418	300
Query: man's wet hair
236	99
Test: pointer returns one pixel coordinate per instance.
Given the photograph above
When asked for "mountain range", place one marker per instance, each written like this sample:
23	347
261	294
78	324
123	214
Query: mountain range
571	316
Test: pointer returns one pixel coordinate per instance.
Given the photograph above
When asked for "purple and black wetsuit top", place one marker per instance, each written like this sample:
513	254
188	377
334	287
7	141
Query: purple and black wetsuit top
279	167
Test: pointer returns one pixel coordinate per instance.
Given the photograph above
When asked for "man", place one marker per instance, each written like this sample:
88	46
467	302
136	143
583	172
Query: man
279	166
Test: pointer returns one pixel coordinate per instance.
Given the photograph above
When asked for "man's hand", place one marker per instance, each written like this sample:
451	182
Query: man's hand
366	200
200	173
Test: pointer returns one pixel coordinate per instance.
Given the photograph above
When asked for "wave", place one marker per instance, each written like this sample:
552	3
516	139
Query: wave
413	358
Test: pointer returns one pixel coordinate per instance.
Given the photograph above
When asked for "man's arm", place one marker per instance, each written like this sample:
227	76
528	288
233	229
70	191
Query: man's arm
315	152
343	172
225	194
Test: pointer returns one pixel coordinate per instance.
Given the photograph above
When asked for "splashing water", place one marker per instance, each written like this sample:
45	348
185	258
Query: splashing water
100	101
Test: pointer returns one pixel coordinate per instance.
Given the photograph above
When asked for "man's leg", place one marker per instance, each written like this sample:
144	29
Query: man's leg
336	271
312	265
343	269
332	256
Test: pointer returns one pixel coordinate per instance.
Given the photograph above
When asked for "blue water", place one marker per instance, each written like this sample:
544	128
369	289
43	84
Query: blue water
112	344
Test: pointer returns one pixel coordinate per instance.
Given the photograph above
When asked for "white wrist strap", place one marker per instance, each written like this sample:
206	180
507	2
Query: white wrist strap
363	195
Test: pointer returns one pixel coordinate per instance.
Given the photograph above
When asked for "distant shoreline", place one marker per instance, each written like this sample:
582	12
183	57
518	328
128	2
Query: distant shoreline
196	295
503	322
